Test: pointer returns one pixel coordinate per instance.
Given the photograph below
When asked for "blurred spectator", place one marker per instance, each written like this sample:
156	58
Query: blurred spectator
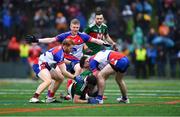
163	29
170	19
91	18
140	62
7	23
24	51
178	57
147	7
51	17
82	20
40	19
151	59
128	19
21	21
72	10
113	19
151	35
143	11
138	37
173	62
13	49
161	61
61	22
139	7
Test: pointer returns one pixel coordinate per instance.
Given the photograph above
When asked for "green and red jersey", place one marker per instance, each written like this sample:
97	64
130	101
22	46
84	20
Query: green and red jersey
80	88
98	32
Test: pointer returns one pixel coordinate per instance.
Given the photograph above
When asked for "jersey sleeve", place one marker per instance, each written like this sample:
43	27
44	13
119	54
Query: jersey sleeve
59	57
85	37
106	31
61	37
87	30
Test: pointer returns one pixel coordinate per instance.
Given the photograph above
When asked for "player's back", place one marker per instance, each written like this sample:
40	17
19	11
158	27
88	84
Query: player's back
52	56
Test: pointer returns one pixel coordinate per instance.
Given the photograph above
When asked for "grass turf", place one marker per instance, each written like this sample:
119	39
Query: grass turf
147	97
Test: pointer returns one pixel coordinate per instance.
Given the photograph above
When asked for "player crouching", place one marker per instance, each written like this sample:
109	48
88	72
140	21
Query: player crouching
81	92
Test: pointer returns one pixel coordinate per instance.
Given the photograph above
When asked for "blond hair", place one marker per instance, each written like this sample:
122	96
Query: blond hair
75	21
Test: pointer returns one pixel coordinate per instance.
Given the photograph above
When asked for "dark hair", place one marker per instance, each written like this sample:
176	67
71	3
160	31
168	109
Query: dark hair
75	21
98	11
82	61
92	80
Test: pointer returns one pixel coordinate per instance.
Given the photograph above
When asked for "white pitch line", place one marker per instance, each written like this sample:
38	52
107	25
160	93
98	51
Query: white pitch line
156	91
115	94
145	91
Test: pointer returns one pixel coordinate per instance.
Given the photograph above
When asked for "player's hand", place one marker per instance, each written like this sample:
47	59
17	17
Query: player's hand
115	47
31	39
88	51
93	101
78	79
107	44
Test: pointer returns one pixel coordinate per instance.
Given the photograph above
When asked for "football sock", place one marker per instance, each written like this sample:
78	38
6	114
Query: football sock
69	83
100	97
48	94
51	94
36	95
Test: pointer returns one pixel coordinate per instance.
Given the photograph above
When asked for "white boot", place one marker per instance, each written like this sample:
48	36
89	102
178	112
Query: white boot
121	100
34	100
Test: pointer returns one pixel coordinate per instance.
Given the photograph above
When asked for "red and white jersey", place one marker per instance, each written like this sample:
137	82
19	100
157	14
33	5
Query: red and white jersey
104	57
80	39
52	57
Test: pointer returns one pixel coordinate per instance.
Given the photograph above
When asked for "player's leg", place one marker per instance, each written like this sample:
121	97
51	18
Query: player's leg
102	76
45	75
122	88
58	78
120	68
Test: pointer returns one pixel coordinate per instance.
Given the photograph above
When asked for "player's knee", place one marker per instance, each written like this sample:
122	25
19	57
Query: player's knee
60	78
48	81
100	74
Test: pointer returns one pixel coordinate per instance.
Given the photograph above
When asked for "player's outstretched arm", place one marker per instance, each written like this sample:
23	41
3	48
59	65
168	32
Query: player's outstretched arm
33	39
114	46
108	38
100	42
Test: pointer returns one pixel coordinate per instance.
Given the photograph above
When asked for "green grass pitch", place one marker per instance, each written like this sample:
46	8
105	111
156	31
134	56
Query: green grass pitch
147	97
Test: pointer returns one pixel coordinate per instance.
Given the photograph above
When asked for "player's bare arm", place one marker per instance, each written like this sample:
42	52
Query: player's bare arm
33	39
65	72
99	42
78	100
47	40
108	38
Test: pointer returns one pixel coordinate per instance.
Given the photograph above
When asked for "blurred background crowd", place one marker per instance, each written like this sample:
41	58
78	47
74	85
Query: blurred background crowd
147	31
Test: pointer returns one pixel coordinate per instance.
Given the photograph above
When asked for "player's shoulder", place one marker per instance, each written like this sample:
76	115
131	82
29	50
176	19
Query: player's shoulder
104	25
65	33
92	25
81	34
